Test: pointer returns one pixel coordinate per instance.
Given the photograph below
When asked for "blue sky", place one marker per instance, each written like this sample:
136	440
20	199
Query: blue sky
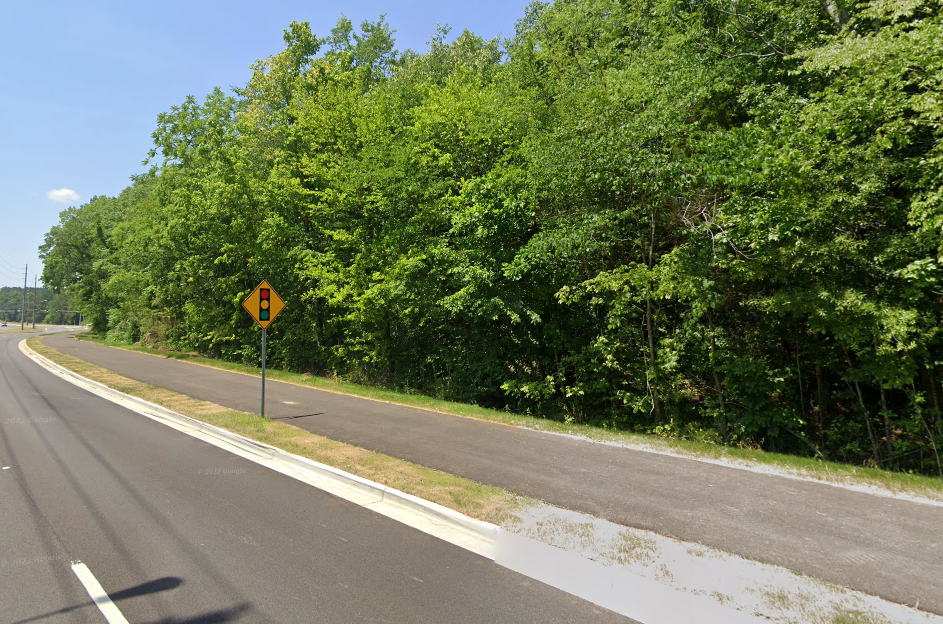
83	83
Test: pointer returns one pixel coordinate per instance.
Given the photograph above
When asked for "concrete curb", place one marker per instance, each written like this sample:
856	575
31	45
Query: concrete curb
445	523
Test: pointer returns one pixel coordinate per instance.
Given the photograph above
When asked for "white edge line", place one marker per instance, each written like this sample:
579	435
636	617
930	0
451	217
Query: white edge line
446	524
97	592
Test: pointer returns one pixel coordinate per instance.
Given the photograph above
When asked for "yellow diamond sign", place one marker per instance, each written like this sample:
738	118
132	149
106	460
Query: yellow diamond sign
263	304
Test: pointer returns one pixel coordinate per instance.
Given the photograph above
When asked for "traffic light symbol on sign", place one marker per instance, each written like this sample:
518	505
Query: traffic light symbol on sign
265	303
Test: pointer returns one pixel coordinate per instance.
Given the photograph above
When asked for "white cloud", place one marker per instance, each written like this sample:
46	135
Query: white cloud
63	195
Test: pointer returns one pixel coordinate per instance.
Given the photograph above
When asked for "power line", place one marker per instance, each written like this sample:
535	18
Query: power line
14	270
7	262
8	275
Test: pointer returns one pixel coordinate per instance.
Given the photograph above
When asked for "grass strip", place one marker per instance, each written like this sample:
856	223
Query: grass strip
792	465
485	502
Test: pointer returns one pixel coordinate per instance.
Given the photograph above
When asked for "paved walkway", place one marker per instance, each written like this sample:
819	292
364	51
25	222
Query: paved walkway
882	546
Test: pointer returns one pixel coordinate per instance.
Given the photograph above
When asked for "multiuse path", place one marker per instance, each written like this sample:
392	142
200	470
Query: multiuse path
883	546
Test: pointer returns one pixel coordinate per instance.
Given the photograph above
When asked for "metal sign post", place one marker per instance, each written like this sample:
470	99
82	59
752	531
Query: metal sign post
263	304
263	374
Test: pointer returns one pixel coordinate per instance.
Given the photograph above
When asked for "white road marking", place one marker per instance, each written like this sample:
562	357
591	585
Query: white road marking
6	467
95	590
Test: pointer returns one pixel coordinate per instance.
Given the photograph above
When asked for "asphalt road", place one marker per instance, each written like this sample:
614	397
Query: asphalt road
883	546
178	531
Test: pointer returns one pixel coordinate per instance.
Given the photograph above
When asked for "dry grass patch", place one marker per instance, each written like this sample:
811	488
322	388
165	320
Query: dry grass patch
477	500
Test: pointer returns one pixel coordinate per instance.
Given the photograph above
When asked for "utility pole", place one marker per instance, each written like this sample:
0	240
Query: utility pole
35	278
23	311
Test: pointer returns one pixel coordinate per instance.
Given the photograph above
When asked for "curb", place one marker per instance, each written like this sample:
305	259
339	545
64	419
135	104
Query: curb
475	535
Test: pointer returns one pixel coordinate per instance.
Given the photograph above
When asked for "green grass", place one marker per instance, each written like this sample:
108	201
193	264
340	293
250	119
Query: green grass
812	468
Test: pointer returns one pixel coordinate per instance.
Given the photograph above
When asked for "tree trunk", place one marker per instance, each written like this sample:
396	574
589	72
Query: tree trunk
836	11
821	413
717	385
801	389
930	437
867	419
935	397
887	423
875	447
656	404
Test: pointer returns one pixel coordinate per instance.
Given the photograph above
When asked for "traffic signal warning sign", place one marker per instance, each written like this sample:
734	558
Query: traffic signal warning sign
263	304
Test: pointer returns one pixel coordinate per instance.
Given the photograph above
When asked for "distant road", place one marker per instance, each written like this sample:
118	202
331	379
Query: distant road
180	532
883	546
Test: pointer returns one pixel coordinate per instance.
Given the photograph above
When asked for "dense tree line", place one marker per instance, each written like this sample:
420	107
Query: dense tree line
711	219
11	303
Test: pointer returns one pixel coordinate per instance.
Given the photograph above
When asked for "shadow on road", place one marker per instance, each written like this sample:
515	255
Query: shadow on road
212	617
294	417
151	587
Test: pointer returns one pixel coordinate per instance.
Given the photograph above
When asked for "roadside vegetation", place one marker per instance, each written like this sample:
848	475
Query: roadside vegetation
710	221
12	300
